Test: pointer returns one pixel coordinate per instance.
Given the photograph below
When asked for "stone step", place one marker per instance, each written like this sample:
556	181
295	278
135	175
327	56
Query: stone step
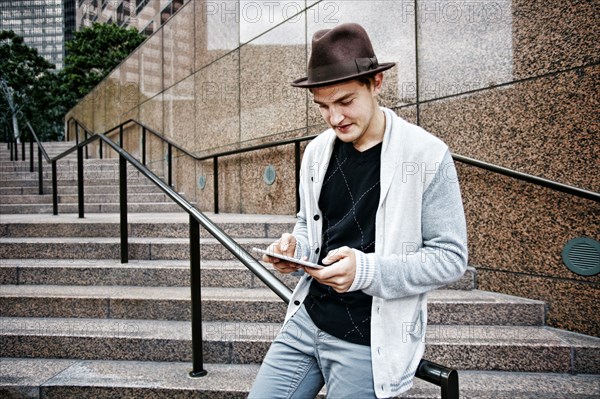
25	179
64	168
68	163
109	248
89	173
47	183
68	378
51	150
24	165
499	348
72	189
164	224
89	208
69	250
448	307
173	273
153	303
15	199
48	147
107	197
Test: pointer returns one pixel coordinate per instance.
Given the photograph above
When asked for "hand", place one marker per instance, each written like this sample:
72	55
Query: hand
340	274
286	245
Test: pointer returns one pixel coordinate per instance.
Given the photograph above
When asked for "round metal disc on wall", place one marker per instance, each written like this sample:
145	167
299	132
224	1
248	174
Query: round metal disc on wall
269	175
202	182
582	256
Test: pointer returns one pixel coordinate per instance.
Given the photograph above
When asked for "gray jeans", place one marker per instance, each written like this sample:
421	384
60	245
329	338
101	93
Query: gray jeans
302	358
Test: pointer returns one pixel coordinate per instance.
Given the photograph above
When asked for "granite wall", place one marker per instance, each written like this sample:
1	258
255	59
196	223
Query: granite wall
513	83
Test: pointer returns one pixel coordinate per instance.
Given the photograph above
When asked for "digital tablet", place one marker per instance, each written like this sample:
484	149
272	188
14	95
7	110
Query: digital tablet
288	258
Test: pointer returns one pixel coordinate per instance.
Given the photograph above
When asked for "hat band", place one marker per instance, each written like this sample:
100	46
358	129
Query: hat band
341	70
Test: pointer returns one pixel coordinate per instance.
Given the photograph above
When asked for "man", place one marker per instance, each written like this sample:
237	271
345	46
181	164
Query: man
381	208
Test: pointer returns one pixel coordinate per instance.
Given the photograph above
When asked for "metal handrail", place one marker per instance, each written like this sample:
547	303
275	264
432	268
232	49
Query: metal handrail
444	377
39	143
537	180
196	219
41	152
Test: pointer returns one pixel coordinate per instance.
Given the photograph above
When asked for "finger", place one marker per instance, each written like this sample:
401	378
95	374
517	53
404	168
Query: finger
270	259
287	244
285	267
336	255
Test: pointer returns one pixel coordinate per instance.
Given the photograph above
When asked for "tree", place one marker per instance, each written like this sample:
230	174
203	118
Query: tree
21	68
33	93
93	53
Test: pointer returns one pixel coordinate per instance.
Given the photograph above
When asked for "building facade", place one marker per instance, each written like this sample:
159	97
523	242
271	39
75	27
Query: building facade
510	83
144	15
44	24
47	25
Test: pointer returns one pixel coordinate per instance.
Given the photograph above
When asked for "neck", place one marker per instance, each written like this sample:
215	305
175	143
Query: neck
374	133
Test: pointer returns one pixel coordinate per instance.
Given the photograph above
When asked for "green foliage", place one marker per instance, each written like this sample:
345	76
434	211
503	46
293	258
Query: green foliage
22	68
20	64
43	96
94	52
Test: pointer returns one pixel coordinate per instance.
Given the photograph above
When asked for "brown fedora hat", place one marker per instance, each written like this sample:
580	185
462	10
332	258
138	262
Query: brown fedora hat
339	54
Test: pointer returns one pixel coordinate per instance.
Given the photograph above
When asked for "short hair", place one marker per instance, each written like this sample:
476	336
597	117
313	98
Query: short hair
368	80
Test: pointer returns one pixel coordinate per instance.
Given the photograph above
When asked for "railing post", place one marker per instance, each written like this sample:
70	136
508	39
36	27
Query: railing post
450	387
123	208
297	173
31	156
444	377
170	164
216	182
144	146
100	148
10	149
80	179
16	149
77	133
23	150
40	173
121	136
85	134
54	189
197	360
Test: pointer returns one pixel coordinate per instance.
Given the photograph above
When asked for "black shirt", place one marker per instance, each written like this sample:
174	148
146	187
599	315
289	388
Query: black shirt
348	201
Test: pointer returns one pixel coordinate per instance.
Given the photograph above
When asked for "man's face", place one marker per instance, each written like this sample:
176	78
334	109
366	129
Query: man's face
349	109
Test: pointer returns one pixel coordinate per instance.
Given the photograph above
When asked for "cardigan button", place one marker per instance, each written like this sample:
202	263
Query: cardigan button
317	250
317	217
297	303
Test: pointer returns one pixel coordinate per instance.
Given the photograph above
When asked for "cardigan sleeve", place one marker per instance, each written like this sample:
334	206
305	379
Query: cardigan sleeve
440	260
301	229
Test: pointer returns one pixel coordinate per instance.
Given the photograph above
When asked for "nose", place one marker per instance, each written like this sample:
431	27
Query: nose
335	116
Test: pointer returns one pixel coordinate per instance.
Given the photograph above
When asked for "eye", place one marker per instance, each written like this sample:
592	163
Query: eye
347	102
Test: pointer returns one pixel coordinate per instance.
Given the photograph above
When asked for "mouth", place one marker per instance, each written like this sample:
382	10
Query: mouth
344	128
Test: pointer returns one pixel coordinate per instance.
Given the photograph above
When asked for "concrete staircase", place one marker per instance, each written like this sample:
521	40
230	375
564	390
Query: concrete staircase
76	323
20	194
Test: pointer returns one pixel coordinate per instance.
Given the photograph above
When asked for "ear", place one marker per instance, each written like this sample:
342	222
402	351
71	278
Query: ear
377	84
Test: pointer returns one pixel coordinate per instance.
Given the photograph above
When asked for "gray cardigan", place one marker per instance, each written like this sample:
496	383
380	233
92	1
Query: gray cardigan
420	243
